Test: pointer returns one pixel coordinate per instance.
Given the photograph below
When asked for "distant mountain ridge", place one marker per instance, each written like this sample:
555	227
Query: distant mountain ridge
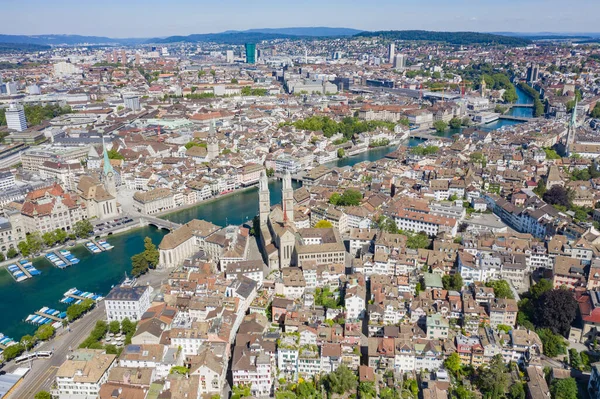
236	37
68	40
308	31
454	38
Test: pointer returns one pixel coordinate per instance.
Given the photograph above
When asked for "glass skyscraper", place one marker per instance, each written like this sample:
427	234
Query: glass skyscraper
250	53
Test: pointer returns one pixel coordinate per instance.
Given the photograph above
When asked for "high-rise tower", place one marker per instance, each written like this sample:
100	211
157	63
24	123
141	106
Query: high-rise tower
264	199
287	198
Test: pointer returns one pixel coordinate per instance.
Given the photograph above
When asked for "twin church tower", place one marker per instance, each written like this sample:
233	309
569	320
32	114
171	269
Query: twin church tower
277	228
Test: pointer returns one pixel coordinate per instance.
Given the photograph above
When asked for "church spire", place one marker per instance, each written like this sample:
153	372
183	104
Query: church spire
571	130
107	166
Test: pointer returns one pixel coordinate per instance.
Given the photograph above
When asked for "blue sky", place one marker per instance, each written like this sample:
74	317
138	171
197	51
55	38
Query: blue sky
150	18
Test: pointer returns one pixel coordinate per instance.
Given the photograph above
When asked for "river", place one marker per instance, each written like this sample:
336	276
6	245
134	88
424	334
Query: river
95	273
98	273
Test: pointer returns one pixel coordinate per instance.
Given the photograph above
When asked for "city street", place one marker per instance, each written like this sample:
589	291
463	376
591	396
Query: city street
43	371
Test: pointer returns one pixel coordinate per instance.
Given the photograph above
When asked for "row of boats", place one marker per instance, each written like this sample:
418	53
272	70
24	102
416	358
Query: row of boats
5	342
96	247
62	258
22	270
74	296
46	316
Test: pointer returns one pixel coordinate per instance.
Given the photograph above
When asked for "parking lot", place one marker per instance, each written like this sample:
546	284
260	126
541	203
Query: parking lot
112	224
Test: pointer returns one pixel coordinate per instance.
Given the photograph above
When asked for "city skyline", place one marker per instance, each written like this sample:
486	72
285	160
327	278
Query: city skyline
153	19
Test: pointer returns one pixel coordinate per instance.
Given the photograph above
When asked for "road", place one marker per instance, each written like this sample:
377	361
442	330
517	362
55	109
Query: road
43	371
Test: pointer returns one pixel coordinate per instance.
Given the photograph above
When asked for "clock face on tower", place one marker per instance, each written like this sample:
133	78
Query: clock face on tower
109	174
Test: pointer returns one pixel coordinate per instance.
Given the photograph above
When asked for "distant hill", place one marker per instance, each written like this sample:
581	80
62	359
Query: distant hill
257	35
530	35
456	38
68	40
319	31
235	38
25	47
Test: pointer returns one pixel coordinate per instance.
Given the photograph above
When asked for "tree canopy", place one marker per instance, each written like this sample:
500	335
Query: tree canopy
340	381
148	259
348	126
557	195
564	388
556	309
323	224
501	289
350	197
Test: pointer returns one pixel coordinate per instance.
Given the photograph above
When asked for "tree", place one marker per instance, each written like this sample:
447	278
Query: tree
148	259
452	363
540	189
27	341
12	252
553	344
341	153
83	228
127	326
234	81
151	252
516	391
411	386
45	332
114	327
417	241
60	235
139	265
49	239
43	395
452	282
455	123
366	390
24	248
2	257
323	224
557	195
501	289
440	126
270	172
555	309
34	242
564	389
350	197
114	154
77	309
536	290
12	351
595	113
340	381
494	378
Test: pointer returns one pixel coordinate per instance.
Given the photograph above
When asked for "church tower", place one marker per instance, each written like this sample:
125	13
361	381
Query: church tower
571	131
212	146
287	198
264	199
108	174
483	87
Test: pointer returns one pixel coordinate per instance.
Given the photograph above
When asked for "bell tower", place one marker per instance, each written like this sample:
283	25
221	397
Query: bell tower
287	198
108	173
264	199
